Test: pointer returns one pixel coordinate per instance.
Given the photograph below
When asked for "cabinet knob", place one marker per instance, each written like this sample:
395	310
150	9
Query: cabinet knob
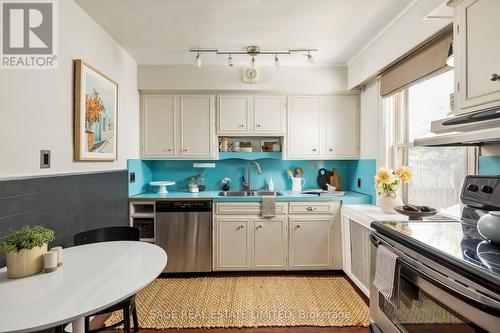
298	226
311	208
259	226
167	150
495	77
241	125
185	149
330	149
258	125
242	226
314	149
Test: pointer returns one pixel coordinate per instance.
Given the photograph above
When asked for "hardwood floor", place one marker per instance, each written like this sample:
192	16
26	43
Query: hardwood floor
98	322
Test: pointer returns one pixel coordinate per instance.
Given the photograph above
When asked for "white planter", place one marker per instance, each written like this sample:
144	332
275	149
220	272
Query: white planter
388	201
25	262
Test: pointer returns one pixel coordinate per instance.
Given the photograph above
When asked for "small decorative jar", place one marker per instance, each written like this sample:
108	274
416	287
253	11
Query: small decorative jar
387	201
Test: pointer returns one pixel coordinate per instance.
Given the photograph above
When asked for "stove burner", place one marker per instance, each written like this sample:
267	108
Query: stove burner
489	254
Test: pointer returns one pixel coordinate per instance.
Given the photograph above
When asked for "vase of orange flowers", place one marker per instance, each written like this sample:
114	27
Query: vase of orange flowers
387	182
94	106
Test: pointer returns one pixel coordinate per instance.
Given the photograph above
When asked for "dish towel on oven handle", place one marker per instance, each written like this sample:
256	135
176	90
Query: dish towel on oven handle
268	206
387	271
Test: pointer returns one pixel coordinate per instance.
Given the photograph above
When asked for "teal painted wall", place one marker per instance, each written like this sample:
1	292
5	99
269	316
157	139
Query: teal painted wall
180	171
489	165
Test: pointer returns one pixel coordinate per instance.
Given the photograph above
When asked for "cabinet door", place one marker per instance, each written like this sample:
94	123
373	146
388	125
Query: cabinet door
477	59
233	244
341	126
270	243
197	134
360	253
268	114
233	114
310	243
304	127
158	128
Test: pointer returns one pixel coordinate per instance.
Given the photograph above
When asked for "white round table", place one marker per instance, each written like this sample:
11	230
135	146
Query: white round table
92	278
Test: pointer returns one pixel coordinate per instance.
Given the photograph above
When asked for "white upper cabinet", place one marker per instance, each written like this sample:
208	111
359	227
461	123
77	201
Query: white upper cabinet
178	127
158	125
233	114
323	127
250	115
304	127
477	55
341	132
269	114
197	118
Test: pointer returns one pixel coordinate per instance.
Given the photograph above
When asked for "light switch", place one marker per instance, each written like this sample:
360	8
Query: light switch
44	159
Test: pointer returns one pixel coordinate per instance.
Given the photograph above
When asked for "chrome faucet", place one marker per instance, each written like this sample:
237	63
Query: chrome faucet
248	184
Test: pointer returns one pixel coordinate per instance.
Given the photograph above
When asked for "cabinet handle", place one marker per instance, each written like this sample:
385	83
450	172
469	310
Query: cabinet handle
495	77
259	226
311	208
167	150
242	226
298	226
185	149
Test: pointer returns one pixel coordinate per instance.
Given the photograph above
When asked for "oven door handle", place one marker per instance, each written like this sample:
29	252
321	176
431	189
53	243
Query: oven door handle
374	240
488	305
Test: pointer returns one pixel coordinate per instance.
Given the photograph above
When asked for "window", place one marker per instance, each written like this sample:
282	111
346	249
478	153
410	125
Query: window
437	172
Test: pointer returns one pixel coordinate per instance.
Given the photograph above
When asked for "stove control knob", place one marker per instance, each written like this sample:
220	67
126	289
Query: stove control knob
487	189
473	187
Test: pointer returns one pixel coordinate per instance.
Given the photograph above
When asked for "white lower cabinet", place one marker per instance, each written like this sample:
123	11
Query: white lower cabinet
233	244
299	240
270	241
310	245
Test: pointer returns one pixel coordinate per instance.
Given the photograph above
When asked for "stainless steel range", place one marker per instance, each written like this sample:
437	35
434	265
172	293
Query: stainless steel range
448	275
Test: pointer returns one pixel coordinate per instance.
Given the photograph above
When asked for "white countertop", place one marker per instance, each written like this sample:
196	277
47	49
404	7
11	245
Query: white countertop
366	214
92	278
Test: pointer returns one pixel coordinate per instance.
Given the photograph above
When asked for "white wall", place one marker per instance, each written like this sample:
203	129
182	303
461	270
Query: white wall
402	35
370	111
314	79
37	105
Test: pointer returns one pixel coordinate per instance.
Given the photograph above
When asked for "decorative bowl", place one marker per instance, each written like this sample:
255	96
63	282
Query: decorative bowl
413	215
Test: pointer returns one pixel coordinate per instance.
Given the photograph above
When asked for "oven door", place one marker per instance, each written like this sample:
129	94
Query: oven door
429	302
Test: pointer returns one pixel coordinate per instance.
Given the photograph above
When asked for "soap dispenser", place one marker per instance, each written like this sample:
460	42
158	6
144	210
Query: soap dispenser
270	184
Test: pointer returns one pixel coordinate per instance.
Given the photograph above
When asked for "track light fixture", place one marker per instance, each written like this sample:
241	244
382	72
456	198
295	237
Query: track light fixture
253	51
276	61
197	60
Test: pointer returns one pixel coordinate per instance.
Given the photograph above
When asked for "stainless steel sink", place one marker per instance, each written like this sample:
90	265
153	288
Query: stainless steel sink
248	194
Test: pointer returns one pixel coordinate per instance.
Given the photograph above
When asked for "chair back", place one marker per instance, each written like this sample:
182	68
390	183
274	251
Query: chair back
108	234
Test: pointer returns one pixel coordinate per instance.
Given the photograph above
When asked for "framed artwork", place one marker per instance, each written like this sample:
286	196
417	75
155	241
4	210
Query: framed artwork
96	114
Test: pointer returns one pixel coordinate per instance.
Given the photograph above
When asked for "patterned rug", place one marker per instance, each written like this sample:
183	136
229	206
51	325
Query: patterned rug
249	301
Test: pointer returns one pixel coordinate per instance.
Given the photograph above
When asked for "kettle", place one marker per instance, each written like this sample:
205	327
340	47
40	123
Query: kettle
488	226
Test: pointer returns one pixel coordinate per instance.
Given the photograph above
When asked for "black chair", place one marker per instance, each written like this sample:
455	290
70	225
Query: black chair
128	305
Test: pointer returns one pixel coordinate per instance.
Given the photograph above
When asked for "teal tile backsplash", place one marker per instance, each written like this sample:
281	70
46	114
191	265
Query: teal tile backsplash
489	165
180	171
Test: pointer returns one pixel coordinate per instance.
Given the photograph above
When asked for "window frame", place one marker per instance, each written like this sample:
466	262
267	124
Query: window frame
396	121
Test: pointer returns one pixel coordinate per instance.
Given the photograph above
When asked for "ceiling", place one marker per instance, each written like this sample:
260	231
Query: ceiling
162	31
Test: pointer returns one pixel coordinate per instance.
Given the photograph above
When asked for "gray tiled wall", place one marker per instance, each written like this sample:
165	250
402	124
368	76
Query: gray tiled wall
65	204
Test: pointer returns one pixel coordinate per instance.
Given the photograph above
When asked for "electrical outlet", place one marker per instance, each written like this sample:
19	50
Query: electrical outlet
44	159
359	183
132	177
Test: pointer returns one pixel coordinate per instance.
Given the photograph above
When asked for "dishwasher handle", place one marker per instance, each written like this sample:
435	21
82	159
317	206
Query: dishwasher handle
184	206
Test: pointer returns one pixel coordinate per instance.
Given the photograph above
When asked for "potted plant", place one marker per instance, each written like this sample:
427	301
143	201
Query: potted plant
94	106
387	182
25	249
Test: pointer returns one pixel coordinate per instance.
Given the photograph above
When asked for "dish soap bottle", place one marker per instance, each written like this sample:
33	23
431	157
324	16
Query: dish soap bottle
270	184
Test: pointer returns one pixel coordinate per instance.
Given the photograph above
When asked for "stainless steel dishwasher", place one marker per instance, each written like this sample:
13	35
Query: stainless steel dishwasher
184	230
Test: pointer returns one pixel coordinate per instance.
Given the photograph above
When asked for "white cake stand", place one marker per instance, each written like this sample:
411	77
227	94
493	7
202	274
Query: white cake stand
162	185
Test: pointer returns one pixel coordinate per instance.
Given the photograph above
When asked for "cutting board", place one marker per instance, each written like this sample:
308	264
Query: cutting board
335	180
323	178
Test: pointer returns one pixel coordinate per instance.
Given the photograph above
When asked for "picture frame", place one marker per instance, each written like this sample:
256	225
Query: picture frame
95	114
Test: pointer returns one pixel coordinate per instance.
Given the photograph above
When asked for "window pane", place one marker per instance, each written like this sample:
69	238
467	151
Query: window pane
428	101
437	177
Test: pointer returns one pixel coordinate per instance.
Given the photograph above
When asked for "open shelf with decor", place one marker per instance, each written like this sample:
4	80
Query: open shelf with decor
250	148
142	215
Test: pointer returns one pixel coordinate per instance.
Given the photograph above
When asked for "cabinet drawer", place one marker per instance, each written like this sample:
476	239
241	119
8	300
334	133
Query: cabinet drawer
311	208
246	208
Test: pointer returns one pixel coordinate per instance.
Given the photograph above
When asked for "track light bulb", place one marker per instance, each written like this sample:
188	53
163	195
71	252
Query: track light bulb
197	60
310	58
276	61
230	61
